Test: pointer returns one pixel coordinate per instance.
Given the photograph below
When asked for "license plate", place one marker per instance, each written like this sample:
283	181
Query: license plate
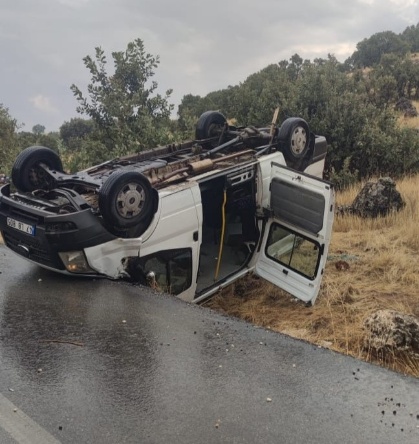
25	228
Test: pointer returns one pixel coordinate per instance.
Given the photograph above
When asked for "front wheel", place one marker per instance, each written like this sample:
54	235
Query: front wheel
126	200
294	136
28	172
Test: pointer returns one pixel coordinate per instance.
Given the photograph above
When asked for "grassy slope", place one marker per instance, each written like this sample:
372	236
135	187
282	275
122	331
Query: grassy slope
382	255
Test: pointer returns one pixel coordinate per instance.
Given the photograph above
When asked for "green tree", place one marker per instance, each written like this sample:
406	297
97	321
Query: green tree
353	108
8	140
370	50
74	132
38	129
189	110
411	36
123	104
50	140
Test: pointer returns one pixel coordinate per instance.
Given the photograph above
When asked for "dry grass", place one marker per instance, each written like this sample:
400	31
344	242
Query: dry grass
383	274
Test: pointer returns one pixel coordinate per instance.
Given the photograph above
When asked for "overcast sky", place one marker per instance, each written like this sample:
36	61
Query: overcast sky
204	45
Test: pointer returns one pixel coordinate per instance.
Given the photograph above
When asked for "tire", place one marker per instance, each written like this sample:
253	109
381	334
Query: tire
294	137
126	200
210	124
27	173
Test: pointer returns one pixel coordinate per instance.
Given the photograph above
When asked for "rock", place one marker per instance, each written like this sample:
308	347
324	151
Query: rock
389	331
342	266
377	199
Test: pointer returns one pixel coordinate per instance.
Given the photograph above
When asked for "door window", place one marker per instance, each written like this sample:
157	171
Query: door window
293	251
172	269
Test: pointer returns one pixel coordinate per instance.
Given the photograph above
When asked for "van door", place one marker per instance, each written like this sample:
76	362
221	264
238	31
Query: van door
297	231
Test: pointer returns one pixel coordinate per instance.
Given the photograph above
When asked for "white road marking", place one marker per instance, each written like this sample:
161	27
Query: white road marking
20	427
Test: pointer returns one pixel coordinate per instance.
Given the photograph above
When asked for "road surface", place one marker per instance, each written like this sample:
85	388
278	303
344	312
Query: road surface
95	361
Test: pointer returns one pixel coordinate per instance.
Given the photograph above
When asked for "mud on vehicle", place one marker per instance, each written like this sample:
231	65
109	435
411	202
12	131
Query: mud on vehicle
187	218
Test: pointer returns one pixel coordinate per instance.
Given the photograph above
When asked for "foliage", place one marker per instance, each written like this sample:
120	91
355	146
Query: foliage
402	71
8	140
74	132
128	113
89	151
12	141
345	177
50	140
411	36
370	50
354	110
38	129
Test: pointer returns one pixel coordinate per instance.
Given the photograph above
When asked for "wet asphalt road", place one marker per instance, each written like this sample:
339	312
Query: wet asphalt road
140	367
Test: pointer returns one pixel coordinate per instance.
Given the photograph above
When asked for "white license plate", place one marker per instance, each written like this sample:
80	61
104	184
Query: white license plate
28	229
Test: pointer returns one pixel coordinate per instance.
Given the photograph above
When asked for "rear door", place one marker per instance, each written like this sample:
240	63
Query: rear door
297	233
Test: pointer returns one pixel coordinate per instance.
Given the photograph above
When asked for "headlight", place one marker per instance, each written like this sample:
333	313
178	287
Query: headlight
75	262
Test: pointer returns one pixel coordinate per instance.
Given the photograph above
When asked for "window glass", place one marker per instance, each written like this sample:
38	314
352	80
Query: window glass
172	269
293	251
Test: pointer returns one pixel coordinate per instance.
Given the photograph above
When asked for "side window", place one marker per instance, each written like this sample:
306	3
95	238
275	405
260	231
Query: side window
296	252
172	269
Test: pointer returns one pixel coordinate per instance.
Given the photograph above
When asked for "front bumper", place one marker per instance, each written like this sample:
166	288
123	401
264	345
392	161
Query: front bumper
53	234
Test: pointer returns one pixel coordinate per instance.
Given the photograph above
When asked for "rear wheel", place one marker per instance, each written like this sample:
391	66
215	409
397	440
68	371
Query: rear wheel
28	172
210	124
127	200
294	136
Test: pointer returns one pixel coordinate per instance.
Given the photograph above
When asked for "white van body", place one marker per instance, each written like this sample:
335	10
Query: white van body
180	215
213	222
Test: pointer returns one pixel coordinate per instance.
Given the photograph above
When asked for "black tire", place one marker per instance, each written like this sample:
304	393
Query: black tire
27	173
210	124
126	200
294	138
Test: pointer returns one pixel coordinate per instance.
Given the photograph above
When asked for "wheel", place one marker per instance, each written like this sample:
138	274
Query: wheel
210	124
28	173
294	136
126	199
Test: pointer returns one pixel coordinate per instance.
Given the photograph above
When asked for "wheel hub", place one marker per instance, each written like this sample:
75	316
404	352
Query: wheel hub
130	200
298	140
37	176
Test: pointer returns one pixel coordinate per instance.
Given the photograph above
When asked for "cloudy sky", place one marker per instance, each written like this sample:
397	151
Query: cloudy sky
204	45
